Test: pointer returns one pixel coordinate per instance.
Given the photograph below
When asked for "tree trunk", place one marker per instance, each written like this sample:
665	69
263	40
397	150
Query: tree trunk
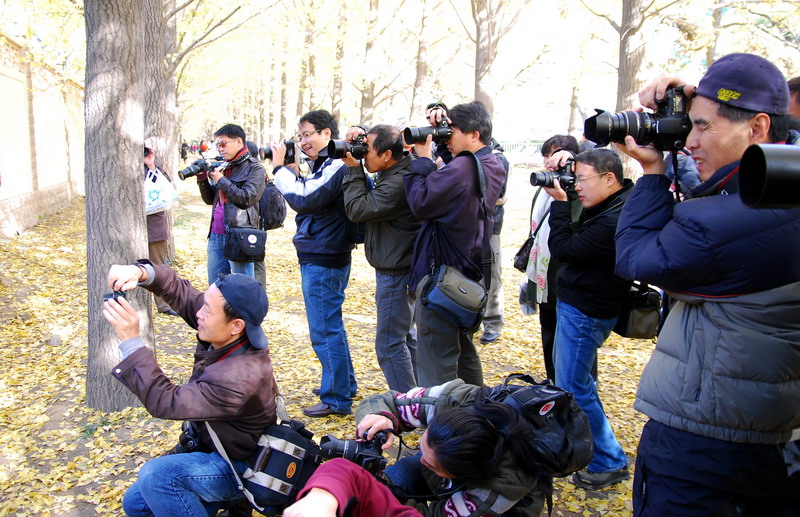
336	94
711	50
574	111
422	65
368	83
172	133
484	52
631	53
115	226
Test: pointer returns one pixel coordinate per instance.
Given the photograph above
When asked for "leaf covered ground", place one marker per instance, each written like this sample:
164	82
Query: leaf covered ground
59	457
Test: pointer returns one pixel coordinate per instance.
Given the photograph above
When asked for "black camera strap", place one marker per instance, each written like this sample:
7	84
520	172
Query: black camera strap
486	263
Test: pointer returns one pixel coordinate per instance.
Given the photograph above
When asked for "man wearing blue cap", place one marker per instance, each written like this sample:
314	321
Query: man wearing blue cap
231	387
722	388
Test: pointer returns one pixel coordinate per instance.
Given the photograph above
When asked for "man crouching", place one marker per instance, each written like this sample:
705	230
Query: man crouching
231	387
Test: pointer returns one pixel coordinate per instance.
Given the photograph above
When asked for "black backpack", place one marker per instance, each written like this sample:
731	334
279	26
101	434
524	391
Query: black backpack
563	440
272	207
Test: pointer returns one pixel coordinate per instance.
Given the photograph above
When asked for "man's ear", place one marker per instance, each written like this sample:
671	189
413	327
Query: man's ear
326	132
238	326
759	129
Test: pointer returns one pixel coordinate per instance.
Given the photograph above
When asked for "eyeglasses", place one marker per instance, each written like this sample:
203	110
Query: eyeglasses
306	135
223	143
578	180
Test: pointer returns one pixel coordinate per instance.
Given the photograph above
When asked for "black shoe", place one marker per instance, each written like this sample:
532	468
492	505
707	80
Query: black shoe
321	410
489	337
170	312
596	480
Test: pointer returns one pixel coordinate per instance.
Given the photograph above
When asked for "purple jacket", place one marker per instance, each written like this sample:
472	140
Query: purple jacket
447	202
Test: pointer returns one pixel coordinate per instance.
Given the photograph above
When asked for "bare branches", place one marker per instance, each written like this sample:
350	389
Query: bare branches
169	14
606	17
467	31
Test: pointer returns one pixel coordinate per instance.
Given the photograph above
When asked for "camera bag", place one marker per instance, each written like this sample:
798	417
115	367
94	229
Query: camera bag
245	244
640	313
451	294
271	207
286	459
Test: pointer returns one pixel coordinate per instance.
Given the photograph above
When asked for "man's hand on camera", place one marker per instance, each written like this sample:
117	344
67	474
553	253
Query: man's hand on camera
424	150
125	278
656	88
353	133
122	317
318	502
373	423
349	160
558	160
216	174
556	192
650	158
436	115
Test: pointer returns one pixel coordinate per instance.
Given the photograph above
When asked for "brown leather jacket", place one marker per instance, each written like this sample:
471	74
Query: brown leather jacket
234	394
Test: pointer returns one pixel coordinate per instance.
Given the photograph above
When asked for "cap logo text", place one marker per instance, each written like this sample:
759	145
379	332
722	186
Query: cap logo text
724	94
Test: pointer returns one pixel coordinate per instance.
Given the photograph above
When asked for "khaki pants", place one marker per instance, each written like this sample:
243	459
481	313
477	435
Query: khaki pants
158	255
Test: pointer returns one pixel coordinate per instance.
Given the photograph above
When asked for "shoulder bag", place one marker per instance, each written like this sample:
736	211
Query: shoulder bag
640	313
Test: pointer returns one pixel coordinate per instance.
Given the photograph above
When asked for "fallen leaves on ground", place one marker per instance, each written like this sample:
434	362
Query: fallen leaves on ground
59	457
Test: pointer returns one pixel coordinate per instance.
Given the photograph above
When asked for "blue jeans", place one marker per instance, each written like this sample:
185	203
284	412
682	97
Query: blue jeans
217	263
406	474
575	349
395	335
189	484
323	293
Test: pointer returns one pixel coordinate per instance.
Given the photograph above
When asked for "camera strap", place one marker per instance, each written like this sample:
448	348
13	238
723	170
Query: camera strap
486	263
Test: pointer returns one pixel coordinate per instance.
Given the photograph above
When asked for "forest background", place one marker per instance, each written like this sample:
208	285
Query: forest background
158	73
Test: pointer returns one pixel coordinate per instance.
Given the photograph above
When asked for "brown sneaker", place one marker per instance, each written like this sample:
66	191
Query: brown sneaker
597	480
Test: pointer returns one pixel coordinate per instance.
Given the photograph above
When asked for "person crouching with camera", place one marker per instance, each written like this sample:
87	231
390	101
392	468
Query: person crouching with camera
230	389
475	458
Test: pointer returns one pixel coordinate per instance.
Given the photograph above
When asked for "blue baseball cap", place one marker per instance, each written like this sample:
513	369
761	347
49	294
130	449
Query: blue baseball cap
748	82
247	297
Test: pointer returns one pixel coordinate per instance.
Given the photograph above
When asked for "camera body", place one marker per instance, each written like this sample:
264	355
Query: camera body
197	167
265	153
418	135
114	296
666	129
338	149
367	454
565	176
188	441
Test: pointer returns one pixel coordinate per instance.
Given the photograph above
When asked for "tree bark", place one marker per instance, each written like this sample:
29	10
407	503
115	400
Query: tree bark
631	53
484	52
336	94
115	232
422	65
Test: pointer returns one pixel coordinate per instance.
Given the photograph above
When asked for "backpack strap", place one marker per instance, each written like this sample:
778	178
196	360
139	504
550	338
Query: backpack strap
221	451
486	263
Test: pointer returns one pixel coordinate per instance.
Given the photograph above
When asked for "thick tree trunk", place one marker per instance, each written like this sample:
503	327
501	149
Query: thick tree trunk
115	223
368	83
484	51
631	53
336	94
422	66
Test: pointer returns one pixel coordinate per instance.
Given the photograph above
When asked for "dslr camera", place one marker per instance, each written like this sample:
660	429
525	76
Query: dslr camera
565	176
418	135
367	454
197	167
666	129
340	148
265	153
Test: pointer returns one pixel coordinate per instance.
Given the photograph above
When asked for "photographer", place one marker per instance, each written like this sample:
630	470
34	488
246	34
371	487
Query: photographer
447	202
723	384
475	459
389	242
589	297
157	229
234	193
323	242
231	387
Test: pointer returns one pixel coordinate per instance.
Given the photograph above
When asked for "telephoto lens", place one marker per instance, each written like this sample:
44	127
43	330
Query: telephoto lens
338	149
265	153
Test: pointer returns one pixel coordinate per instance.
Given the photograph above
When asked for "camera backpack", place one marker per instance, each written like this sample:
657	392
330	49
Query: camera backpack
272	207
286	459
563	439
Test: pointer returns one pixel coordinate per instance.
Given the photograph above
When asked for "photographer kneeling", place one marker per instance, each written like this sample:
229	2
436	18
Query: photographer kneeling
231	387
475	458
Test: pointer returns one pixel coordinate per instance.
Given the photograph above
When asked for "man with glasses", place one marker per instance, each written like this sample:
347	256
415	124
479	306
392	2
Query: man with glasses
589	296
389	242
323	241
233	190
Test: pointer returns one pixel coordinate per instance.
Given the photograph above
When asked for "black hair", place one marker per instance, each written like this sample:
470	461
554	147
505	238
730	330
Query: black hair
252	148
321	119
387	138
778	124
603	160
472	116
231	131
559	142
436	105
469	442
794	89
